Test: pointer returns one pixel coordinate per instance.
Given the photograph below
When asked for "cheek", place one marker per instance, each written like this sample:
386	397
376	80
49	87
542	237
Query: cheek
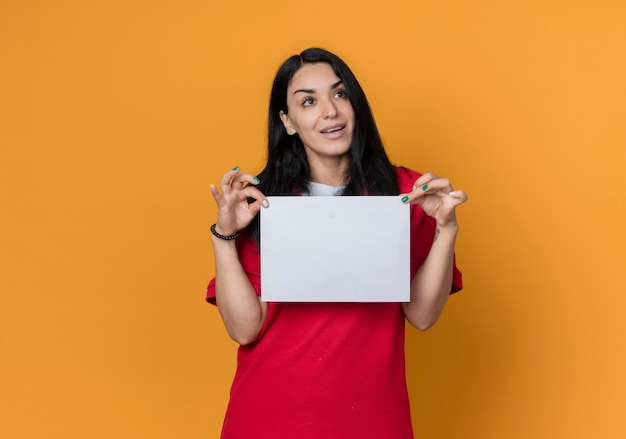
348	111
305	121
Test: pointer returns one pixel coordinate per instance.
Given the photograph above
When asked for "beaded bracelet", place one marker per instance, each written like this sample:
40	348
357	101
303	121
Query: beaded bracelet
224	237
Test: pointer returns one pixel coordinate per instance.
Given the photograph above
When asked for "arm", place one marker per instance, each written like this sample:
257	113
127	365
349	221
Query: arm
241	309
430	288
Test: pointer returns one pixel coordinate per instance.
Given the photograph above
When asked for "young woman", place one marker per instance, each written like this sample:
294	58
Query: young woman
325	370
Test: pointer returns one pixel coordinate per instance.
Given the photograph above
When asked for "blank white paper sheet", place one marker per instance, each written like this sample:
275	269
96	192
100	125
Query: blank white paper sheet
335	249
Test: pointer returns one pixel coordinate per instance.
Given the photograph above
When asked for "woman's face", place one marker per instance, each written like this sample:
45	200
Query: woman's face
320	113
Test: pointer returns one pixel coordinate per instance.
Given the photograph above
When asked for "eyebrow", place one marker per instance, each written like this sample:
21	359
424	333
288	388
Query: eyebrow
312	91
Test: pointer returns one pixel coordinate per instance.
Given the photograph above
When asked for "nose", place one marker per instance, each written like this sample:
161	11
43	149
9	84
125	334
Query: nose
330	110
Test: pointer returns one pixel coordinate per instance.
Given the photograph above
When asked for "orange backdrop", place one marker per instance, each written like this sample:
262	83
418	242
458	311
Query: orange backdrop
116	116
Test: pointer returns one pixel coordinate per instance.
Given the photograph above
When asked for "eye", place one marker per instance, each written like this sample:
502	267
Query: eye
341	94
308	101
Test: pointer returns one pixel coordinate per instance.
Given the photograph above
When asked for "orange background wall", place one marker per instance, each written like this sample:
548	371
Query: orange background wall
116	116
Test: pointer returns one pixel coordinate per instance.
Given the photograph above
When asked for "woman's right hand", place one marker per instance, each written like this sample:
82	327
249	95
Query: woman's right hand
234	211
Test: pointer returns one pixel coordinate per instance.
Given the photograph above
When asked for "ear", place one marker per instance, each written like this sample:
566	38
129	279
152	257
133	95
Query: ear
287	123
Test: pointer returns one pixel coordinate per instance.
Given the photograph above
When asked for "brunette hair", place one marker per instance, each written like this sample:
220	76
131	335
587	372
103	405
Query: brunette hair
287	169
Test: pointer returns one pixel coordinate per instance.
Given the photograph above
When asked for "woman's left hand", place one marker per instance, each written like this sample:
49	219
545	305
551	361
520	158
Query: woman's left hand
437	198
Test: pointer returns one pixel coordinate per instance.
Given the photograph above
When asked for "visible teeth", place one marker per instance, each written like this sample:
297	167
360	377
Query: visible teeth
330	130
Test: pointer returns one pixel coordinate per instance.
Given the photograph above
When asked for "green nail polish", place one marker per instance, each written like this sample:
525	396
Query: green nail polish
256	180
405	198
236	168
424	187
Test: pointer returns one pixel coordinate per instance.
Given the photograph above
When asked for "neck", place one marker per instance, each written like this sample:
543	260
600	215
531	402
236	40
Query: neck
333	172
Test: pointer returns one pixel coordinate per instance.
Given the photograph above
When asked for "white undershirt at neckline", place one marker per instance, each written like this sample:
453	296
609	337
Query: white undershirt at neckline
323	190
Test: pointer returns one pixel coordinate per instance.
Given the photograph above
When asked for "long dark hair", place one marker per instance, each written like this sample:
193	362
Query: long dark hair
287	169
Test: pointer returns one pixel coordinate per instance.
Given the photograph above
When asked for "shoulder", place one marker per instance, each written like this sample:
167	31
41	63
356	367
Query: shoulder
406	178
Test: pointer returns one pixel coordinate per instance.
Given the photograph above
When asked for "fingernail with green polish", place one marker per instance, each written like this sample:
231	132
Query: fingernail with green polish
256	180
405	198
424	187
236	168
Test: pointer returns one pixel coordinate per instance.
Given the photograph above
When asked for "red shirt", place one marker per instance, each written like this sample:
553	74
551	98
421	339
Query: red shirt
326	370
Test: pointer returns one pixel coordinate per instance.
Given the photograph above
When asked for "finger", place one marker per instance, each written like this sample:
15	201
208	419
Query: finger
257	195
415	196
435	185
227	178
216	194
424	179
246	178
458	196
439	187
241	179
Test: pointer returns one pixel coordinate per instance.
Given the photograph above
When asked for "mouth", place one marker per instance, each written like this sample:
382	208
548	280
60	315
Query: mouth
333	129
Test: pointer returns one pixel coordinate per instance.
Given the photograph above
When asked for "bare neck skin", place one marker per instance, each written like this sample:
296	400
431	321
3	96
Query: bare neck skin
332	171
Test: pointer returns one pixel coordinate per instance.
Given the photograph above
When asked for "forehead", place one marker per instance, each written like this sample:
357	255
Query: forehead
319	76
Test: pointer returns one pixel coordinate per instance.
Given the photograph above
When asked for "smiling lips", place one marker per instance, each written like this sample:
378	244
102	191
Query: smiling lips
334	132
